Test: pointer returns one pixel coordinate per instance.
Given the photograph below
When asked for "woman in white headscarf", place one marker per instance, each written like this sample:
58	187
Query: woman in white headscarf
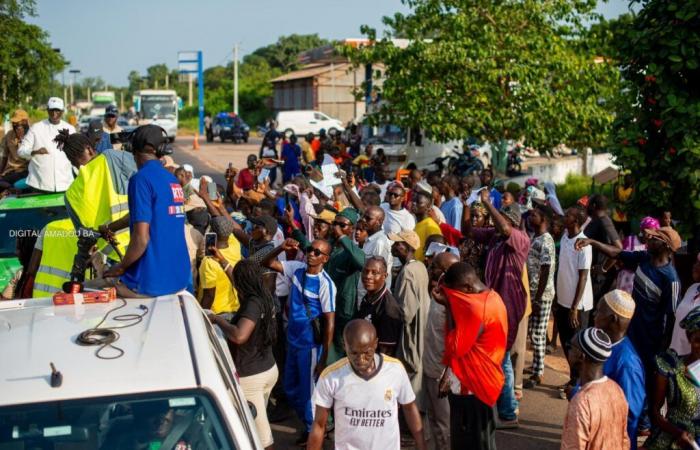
552	199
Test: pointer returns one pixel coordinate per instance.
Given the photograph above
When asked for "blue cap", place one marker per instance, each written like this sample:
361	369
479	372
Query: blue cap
111	110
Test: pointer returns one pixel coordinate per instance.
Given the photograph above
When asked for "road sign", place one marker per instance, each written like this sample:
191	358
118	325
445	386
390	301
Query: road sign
190	62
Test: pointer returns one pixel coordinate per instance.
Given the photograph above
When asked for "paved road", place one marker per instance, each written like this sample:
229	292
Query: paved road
541	411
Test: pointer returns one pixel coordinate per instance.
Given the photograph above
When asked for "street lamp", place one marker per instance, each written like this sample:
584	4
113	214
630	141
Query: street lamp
74	72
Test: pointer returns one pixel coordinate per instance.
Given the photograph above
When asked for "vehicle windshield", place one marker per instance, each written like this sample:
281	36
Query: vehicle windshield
230	121
25	222
162	106
180	420
387	134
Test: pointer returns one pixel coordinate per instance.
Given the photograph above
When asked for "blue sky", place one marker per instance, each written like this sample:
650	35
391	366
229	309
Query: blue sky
110	38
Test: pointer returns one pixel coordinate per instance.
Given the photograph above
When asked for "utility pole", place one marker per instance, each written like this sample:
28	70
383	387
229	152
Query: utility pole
235	79
88	96
167	81
189	97
74	72
121	100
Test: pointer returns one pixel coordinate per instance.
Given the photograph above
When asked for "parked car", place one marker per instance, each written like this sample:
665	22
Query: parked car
24	215
168	381
230	127
304	122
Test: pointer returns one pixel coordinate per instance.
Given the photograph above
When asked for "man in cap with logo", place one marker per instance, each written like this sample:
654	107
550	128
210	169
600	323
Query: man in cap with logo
597	416
411	291
98	138
110	123
12	167
49	168
156	261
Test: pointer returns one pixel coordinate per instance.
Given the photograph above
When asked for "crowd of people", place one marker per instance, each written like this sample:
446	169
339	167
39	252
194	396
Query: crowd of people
393	310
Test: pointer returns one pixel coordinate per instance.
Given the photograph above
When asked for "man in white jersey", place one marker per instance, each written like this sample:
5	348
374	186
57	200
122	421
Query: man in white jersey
365	389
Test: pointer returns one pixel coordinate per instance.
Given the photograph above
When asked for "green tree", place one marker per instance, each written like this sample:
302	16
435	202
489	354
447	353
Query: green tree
27	61
284	54
493	70
657	133
156	75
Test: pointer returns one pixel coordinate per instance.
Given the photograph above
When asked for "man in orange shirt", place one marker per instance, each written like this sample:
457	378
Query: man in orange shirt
474	348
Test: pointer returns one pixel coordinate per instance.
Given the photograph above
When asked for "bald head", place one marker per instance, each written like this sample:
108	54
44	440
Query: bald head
463	277
445	260
359	331
373	219
322	245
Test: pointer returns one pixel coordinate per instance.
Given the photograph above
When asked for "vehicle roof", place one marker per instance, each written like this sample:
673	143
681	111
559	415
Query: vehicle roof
32	201
33	333
156	92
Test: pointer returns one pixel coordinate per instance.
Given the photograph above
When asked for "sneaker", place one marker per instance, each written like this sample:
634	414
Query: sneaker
502	424
302	439
532	382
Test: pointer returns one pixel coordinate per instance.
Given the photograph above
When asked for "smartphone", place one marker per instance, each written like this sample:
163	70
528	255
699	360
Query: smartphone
286	200
209	241
213	193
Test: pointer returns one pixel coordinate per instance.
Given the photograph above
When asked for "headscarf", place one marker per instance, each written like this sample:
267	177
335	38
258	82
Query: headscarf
551	191
649	223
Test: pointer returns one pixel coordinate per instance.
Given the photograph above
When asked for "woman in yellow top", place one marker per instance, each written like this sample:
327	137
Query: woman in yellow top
215	289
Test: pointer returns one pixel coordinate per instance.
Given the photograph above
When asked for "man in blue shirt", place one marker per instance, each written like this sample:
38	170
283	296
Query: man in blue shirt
452	207
156	261
311	298
98	138
613	316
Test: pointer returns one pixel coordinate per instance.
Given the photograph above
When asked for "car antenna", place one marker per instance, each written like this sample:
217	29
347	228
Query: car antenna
56	377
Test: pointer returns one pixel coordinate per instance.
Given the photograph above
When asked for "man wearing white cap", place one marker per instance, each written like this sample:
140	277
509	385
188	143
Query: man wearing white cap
624	367
49	169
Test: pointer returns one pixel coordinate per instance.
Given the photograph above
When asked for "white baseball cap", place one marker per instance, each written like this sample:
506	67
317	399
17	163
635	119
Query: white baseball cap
55	103
188	168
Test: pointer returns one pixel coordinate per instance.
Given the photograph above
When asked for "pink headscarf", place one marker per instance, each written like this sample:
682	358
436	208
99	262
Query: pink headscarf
649	223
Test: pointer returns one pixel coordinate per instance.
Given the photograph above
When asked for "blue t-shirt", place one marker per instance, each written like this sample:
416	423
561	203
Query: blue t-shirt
656	294
293	203
319	293
452	209
156	198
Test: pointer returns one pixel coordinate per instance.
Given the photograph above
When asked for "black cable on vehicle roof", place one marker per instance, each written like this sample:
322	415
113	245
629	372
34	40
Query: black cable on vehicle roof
107	336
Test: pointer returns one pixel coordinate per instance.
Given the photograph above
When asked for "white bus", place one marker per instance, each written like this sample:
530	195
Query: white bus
100	101
159	107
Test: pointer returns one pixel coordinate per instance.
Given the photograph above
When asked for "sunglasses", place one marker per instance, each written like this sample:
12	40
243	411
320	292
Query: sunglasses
341	224
314	251
393	194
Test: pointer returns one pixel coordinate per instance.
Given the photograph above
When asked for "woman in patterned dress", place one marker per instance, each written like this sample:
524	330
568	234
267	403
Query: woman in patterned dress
680	427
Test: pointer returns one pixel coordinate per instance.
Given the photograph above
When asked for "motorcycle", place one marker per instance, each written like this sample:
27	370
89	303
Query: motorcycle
514	163
460	163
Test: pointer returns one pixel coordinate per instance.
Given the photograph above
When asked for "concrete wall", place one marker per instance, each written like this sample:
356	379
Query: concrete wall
556	170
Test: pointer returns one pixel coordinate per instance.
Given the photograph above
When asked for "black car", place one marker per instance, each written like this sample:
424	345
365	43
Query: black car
231	128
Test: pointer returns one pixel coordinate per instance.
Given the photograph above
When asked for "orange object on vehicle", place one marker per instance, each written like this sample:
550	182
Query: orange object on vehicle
402	173
104	296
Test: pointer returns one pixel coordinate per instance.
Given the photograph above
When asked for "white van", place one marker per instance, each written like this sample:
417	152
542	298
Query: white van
304	122
173	387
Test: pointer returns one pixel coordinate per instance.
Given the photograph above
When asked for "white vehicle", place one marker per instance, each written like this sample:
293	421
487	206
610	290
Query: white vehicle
159	107
403	147
304	122
167	382
100	101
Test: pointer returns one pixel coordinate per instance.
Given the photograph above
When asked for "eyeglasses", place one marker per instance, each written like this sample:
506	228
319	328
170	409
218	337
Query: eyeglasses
314	251
341	224
393	194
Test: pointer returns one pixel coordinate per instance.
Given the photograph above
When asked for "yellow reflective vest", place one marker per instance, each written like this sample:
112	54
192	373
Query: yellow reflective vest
59	248
92	200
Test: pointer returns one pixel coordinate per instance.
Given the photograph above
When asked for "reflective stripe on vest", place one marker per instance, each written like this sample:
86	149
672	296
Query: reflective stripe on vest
58	251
